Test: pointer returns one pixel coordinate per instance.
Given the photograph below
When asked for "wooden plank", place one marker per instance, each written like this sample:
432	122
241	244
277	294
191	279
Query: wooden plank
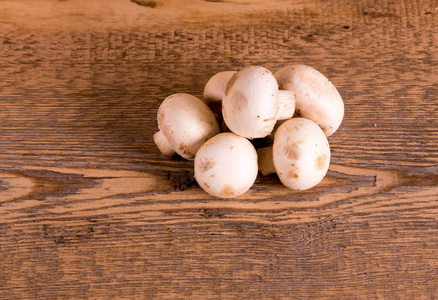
90	209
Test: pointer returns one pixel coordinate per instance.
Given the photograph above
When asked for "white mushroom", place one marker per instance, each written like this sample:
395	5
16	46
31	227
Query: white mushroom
301	153
185	123
214	91
316	97
251	103
226	165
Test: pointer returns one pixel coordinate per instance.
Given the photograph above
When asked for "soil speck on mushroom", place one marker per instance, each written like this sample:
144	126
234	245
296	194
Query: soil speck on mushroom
321	161
206	165
227	191
293	174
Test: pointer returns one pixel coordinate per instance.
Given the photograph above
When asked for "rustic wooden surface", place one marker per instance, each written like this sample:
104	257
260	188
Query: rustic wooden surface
90	209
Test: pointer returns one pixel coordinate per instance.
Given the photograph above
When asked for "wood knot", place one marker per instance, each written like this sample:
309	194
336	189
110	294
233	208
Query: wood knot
147	3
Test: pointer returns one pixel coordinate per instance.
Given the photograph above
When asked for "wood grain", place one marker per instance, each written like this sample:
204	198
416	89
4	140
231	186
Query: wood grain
90	209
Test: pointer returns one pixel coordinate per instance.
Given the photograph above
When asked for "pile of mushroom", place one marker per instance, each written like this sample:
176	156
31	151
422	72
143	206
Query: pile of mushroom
295	110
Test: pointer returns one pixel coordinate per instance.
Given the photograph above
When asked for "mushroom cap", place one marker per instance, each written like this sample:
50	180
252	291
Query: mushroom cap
187	122
316	97
226	165
301	153
214	90
250	104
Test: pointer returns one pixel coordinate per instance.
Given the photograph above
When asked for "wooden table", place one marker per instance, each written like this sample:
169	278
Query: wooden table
90	209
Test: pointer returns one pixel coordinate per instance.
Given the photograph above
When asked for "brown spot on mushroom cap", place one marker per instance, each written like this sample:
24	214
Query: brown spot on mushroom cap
206	165
240	100
321	161
293	174
266	71
292	151
184	149
269	120
227	191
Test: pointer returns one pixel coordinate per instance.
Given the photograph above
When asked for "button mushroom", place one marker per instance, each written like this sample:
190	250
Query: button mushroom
301	153
316	97
226	165
252	102
185	123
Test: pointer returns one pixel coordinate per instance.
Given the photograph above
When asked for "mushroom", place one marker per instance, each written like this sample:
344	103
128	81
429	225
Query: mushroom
301	153
185	123
252	103
214	91
226	165
316	97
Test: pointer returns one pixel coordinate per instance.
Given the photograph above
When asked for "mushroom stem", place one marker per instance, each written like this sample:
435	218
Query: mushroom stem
163	144
286	100
265	161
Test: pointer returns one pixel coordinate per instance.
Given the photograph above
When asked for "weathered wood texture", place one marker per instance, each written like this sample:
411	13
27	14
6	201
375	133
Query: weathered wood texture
90	209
